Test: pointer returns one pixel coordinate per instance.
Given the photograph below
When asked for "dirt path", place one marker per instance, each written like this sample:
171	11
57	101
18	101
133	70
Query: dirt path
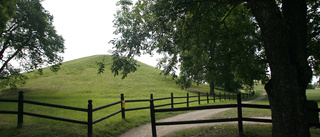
145	130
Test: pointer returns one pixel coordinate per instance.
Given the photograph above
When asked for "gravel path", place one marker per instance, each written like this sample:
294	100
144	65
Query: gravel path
145	130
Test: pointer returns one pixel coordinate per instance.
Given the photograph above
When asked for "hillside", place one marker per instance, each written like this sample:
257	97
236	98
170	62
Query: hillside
79	78
75	84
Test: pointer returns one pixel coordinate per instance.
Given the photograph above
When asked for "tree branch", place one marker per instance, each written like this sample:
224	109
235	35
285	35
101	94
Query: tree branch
8	60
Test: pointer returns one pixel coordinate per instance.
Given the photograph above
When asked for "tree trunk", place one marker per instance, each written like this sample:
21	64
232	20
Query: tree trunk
284	36
227	85
211	88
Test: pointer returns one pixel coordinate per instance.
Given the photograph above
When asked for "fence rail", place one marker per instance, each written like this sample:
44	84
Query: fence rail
239	118
89	110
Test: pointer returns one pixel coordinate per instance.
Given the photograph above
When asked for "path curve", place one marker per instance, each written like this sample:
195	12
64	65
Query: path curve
145	130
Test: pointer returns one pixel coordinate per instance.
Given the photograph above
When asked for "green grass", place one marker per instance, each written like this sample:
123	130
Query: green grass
75	84
231	130
256	130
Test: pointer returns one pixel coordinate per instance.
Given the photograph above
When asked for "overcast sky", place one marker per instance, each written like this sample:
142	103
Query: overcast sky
86	26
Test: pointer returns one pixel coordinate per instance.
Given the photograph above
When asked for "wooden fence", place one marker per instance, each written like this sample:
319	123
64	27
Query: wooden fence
89	110
239	118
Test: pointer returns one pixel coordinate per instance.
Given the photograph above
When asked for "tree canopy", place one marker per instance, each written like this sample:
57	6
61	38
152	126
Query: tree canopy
197	37
30	41
289	30
7	10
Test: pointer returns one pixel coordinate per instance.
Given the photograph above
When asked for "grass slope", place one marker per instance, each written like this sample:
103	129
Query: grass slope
74	85
79	78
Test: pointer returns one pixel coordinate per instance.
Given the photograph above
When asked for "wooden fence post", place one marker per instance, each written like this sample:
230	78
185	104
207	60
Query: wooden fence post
20	109
172	100
123	106
151	96
153	119
187	99
229	95
220	96
207	97
224	95
89	118
199	98
240	123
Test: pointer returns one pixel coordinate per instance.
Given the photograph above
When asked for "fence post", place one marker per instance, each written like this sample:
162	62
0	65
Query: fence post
207	97
20	109
153	119
224	95
89	118
171	100
220	96
240	123
199	98
187	99
123	106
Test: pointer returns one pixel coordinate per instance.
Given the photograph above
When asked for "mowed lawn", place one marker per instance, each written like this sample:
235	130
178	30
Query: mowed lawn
250	130
75	84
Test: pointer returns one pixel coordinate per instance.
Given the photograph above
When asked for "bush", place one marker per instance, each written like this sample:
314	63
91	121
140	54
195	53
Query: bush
311	86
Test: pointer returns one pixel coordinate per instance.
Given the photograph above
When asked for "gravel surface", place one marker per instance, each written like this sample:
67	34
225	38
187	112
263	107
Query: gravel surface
145	130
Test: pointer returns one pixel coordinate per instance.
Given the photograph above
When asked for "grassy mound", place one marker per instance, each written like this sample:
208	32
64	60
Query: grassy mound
74	85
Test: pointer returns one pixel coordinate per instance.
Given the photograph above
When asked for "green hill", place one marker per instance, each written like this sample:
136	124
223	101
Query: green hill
73	85
79	78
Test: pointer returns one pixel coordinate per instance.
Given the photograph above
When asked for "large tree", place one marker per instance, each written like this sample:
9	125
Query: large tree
223	50
191	37
29	40
284	28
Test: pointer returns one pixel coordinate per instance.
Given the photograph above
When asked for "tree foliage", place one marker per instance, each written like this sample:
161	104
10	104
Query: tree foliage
289	29
7	10
193	33
29	40
313	36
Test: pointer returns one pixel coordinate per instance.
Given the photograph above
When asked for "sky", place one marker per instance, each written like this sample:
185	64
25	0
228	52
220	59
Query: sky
86	27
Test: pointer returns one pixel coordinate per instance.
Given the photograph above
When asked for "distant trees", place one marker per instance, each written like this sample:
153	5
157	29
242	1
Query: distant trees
29	40
313	37
215	43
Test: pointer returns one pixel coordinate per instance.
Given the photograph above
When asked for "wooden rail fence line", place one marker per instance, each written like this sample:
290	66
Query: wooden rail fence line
239	118
89	110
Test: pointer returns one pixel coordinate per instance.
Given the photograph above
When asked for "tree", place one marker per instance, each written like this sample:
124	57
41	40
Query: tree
29	39
190	38
313	37
284	29
7	10
223	56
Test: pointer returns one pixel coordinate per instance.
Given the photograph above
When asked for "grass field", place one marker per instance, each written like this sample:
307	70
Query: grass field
250	130
74	85
78	81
